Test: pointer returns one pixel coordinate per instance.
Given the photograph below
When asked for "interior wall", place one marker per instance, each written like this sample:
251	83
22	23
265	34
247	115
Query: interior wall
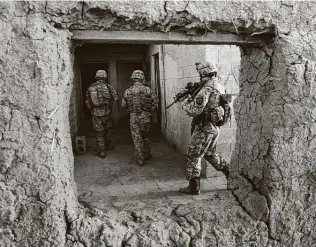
178	68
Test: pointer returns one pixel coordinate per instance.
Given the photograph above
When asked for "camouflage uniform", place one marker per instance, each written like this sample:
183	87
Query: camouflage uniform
206	111
100	97
139	100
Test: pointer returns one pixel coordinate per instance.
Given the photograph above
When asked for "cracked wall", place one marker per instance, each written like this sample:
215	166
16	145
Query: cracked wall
275	156
272	172
35	149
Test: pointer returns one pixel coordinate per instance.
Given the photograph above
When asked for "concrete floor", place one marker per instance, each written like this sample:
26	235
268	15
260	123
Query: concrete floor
117	182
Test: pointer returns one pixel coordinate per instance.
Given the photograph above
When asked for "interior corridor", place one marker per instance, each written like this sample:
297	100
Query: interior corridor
118	182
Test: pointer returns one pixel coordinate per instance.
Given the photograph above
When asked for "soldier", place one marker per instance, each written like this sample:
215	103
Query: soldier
100	97
207	111
140	101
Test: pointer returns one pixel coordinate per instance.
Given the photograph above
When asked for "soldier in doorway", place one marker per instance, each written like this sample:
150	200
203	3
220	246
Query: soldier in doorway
100	97
207	111
140	101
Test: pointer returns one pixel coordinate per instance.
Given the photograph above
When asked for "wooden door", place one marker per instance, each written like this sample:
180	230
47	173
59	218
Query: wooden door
124	72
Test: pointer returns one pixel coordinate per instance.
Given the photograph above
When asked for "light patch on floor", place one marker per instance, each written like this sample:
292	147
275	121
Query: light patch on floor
118	182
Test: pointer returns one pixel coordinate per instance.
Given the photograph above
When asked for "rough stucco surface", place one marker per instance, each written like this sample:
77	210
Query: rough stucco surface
37	188
272	198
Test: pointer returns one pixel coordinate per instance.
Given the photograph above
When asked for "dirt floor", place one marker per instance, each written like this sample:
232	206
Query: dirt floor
117	182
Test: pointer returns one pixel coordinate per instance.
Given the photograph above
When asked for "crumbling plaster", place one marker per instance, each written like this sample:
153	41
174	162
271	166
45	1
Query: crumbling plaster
272	182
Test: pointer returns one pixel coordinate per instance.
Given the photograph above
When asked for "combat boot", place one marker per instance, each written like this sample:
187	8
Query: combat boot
140	163
196	186
102	154
193	188
225	168
186	190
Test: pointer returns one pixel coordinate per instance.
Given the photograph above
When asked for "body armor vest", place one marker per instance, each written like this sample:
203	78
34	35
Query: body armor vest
99	94
213	111
139	99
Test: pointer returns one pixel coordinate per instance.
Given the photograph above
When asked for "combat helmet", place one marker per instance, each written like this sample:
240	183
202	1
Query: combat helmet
206	69
138	74
101	74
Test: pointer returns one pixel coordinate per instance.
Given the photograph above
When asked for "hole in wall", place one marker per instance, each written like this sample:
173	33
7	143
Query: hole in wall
117	180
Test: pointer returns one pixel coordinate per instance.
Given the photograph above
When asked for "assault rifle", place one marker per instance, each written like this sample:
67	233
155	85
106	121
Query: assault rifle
190	89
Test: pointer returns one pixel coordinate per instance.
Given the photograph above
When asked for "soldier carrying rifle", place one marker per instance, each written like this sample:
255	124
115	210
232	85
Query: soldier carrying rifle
207	104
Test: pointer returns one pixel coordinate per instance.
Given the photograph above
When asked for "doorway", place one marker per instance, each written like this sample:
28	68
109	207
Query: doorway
167	69
119	60
87	73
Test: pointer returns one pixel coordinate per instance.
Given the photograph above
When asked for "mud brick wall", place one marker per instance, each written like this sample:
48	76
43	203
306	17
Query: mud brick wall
36	180
179	66
272	181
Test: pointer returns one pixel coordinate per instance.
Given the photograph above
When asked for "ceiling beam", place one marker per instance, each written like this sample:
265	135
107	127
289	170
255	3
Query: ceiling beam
146	37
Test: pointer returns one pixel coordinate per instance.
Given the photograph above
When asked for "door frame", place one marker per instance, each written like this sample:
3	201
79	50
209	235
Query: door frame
142	61
156	67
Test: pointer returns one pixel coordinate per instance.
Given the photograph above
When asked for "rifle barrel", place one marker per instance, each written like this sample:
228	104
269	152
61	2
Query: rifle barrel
171	104
178	100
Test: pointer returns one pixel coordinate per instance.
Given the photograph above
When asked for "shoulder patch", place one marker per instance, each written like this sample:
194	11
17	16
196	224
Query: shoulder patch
199	100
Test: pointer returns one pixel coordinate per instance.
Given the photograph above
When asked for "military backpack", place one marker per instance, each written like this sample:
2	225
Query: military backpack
225	99
99	94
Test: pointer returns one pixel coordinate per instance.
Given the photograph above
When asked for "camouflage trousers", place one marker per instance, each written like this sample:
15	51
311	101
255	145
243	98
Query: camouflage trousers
140	131
203	143
103	128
